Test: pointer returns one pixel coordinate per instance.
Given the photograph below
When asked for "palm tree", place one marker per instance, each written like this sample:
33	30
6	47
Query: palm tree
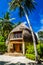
24	7
5	25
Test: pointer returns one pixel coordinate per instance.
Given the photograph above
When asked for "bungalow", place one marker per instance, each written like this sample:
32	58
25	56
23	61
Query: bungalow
17	38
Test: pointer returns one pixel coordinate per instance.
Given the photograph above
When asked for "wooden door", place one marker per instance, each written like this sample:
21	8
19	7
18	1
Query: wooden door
17	47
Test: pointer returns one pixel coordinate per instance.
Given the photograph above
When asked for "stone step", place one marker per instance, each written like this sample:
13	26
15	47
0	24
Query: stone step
14	54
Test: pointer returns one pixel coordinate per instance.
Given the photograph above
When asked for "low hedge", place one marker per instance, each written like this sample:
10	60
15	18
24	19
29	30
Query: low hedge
30	56
30	53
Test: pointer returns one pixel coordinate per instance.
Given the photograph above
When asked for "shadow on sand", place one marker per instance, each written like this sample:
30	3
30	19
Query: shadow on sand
8	63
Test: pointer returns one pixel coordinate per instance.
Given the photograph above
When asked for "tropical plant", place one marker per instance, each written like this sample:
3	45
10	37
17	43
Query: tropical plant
24	7
30	56
40	35
40	49
30	49
3	47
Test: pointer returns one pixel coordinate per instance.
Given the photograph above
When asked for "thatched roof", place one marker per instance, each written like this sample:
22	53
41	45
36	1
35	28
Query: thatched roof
19	28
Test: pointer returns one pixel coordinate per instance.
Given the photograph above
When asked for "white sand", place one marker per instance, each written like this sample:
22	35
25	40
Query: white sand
13	59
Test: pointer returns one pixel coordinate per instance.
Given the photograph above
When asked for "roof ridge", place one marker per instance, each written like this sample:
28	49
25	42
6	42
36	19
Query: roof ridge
19	27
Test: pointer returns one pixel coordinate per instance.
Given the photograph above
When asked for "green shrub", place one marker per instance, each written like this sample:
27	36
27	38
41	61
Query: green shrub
2	43
30	49
30	56
1	39
40	49
3	48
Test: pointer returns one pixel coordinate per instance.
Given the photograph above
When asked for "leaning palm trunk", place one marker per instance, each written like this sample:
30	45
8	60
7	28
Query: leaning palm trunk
34	41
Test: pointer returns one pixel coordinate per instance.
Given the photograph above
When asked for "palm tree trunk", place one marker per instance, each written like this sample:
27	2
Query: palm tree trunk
34	41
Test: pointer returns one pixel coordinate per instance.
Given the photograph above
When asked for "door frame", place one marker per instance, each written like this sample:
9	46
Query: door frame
17	47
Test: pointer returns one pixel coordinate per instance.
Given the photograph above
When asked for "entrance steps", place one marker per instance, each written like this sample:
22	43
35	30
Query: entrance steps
14	54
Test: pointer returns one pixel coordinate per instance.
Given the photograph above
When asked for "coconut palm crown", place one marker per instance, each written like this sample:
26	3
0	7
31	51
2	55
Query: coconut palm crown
28	5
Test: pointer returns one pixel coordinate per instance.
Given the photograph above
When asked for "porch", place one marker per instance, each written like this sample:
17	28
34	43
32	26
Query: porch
17	47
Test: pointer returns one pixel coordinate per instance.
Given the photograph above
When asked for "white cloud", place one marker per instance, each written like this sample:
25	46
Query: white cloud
11	19
41	21
24	22
41	29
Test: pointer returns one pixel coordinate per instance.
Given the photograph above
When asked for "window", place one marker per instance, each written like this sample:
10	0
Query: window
18	35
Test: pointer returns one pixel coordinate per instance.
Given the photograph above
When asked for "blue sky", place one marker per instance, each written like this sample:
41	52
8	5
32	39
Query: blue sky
36	17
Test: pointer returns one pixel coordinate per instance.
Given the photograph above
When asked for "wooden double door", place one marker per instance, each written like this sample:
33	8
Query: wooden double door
17	47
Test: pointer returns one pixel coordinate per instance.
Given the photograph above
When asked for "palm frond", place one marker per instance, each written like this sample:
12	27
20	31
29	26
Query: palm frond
21	12
6	16
13	4
30	5
27	4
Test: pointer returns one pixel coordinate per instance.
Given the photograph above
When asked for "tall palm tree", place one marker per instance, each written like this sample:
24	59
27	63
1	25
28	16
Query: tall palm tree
24	7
